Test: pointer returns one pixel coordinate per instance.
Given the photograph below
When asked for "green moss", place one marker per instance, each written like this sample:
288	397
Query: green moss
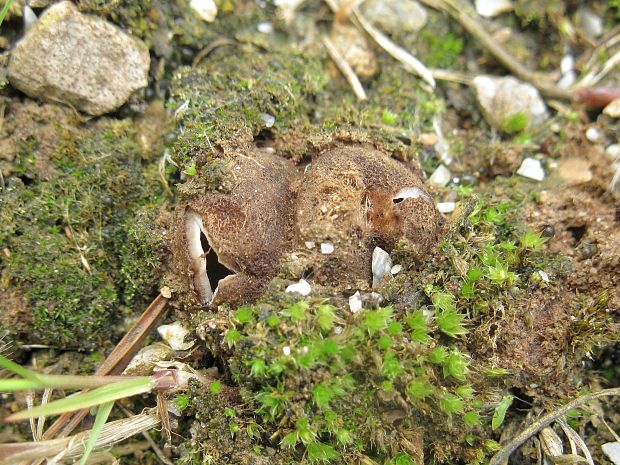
225	101
80	239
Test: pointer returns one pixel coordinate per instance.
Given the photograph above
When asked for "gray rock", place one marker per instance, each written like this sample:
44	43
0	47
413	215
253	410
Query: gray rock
502	99
77	59
390	15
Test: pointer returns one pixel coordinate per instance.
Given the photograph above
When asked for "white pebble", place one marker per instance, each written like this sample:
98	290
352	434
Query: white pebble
612	450
310	244
446	207
543	275
174	335
396	269
355	302
327	248
302	287
268	119
490	8
205	9
265	27
338	329
381	265
531	169
613	150
593	134
441	176
286	350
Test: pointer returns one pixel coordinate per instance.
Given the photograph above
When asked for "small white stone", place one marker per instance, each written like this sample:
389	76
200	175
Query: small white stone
589	22
327	248
205	9
338	329
567	64
265	27
613	151
355	302
612	450
543	275
490	8
310	244
302	287
268	119
396	269
613	109
29	17
446	207
531	169
174	335
593	134
381	265
286	350
441	176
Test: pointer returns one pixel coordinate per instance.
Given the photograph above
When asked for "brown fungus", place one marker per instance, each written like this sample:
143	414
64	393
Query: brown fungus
324	221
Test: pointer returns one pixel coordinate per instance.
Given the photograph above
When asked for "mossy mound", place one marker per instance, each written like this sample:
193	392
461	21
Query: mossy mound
78	231
437	359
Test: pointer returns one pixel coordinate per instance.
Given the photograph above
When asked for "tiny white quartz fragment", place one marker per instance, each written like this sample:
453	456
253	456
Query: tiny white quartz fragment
446	207
205	9
268	119
441	176
612	451
593	134
310	244
302	287
174	335
531	168
490	8
327	248
286	350
355	302
396	269
265	27
544	276
381	265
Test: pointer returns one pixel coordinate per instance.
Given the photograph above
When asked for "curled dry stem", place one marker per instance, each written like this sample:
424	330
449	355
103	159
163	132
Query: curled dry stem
546	420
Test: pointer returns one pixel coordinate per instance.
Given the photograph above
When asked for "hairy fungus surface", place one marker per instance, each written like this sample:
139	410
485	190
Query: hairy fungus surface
350	200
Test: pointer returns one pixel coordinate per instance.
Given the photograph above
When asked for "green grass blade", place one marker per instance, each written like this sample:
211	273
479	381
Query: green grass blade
18	369
118	390
5	10
17	384
102	416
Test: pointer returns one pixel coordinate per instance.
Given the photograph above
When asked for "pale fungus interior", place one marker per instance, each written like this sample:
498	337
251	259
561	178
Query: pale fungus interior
410	193
209	272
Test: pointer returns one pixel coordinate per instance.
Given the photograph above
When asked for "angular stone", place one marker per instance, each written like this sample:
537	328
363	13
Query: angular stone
78	59
504	98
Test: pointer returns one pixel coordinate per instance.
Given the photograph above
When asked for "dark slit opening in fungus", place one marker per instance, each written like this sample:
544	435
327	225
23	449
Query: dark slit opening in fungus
215	270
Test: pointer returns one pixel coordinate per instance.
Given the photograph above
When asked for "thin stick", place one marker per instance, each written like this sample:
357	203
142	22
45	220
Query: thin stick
115	363
410	63
458	11
546	420
345	69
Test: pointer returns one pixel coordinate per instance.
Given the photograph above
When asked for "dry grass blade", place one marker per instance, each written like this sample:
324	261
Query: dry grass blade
345	69
410	63
72	447
546	420
573	436
116	362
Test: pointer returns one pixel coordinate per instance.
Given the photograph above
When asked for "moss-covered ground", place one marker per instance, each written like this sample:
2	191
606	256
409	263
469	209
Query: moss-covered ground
502	320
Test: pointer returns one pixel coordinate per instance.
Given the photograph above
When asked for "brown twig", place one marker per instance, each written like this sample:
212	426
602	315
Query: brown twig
546	420
458	11
115	363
